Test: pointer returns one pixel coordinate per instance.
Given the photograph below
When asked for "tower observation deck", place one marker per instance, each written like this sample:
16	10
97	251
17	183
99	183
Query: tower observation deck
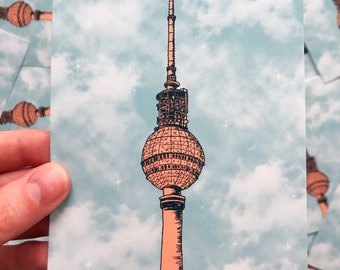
20	14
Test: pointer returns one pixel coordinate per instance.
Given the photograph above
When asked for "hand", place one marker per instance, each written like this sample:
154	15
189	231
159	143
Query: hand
30	189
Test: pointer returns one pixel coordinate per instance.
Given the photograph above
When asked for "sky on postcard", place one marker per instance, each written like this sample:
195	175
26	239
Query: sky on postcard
322	131
322	36
242	64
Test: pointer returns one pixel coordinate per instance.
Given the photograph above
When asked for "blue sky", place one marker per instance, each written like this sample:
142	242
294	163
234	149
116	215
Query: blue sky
246	107
325	249
12	53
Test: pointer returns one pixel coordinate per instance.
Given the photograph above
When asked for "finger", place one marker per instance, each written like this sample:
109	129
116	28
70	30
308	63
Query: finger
22	148
28	256
38	230
29	199
8	177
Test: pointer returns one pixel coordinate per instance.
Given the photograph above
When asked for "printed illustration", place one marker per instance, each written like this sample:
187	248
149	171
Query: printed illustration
172	157
30	86
24	114
322	126
317	183
245	103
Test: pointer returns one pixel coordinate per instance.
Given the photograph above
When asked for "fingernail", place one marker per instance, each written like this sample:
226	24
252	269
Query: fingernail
47	184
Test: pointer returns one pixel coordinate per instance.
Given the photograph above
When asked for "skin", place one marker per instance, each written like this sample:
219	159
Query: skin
25	155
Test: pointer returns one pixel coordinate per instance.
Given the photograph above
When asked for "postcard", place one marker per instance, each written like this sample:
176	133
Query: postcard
182	124
322	126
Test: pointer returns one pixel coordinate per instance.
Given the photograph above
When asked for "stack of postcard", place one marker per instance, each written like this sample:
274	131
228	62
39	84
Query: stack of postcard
111	72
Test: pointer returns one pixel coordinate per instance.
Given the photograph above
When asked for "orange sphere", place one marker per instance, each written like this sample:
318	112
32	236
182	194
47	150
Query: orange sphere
19	14
172	156
24	114
317	183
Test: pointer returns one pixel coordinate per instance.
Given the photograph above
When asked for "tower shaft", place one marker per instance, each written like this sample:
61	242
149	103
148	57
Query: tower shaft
172	204
3	13
322	200
172	158
42	15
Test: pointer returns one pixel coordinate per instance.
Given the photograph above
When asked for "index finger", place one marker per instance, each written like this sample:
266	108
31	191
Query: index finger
23	148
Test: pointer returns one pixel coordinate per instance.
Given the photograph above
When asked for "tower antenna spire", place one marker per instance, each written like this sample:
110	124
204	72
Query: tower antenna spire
171	81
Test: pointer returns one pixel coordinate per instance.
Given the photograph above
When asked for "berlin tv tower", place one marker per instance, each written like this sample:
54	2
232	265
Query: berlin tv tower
172	158
317	183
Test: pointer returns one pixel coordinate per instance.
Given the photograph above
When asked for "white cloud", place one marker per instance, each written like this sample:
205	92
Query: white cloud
271	91
44	45
12	52
12	45
250	264
317	19
246	264
274	17
314	218
315	87
101	83
329	62
7	70
60	69
35	79
132	244
120	20
321	256
320	113
261	201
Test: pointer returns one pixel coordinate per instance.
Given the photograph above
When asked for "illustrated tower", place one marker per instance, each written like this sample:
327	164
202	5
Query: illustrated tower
172	158
21	14
24	114
317	183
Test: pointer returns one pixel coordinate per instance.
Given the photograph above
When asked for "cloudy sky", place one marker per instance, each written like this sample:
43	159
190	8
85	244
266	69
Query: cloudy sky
25	55
244	72
12	53
325	249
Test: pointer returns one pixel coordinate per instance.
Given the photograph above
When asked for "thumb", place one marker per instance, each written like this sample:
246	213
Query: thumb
30	198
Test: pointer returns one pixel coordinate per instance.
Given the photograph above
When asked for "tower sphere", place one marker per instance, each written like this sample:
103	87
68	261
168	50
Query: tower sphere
317	183
24	114
172	157
19	14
